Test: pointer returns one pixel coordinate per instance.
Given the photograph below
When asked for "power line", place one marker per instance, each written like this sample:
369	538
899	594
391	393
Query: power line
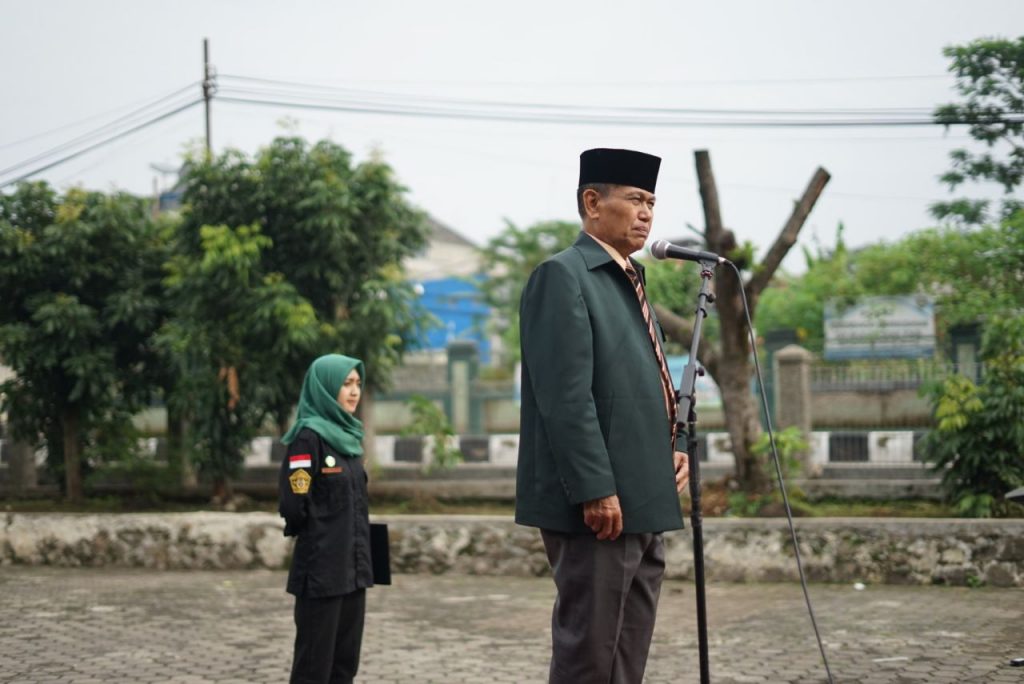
421	111
87	137
101	143
298	95
43	134
661	83
346	96
301	95
116	148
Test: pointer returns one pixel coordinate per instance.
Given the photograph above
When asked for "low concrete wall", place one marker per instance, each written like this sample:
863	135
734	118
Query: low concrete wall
870	407
164	541
899	551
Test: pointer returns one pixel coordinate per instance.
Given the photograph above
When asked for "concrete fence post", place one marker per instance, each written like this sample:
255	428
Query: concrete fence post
793	392
21	466
463	366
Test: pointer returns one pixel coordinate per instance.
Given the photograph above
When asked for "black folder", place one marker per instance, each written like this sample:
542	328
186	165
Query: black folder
380	553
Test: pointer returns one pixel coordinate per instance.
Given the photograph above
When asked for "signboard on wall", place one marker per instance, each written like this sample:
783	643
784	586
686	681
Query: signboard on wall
880	328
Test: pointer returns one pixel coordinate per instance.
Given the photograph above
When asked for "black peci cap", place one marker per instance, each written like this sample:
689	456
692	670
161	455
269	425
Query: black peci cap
619	167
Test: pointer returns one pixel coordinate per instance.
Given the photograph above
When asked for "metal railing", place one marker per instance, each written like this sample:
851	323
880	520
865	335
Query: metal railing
894	374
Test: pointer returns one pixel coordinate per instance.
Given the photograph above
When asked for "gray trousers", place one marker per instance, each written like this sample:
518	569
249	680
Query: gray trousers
604	612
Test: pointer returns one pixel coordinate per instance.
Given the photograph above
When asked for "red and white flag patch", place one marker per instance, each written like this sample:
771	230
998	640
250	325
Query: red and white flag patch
300	461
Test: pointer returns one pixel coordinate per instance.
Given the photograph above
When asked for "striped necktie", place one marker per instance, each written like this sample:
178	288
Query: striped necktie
666	379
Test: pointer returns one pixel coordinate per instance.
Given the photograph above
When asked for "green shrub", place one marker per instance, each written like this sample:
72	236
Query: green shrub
429	420
114	455
977	443
790	443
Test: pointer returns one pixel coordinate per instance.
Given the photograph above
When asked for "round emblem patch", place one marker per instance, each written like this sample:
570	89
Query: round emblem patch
329	461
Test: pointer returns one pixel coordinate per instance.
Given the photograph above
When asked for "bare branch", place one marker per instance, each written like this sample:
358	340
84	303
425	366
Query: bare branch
787	238
679	329
709	198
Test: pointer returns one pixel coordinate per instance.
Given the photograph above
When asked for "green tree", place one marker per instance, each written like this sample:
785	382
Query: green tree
338	232
80	276
971	275
674	285
508	260
798	302
233	321
990	80
839	275
978	442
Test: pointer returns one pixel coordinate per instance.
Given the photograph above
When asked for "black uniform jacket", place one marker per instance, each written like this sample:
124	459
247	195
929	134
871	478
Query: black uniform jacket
323	499
593	420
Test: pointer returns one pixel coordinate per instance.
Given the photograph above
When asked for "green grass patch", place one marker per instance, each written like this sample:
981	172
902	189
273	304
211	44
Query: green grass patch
734	505
898	508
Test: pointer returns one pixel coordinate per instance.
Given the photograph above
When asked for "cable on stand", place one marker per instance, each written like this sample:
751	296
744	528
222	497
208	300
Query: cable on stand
782	483
687	399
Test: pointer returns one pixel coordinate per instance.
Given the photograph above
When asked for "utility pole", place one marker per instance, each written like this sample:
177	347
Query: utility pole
208	88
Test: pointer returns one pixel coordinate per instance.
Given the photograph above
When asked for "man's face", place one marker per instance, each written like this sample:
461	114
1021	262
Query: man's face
622	219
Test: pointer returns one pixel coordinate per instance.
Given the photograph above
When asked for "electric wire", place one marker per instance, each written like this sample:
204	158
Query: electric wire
396	104
114	149
778	473
64	127
117	136
377	99
422	112
417	106
304	89
661	83
105	128
351	100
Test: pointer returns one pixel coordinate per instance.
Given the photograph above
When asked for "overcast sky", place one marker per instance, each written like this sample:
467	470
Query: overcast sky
86	63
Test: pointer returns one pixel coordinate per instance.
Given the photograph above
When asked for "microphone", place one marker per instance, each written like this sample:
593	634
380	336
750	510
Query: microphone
663	249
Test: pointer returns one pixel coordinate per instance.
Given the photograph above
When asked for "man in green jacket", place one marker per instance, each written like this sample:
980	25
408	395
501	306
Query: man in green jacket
597	469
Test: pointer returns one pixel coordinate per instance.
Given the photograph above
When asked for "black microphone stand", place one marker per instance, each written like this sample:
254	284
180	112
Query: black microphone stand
688	400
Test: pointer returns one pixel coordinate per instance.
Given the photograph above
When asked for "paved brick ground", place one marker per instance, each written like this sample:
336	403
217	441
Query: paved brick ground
92	626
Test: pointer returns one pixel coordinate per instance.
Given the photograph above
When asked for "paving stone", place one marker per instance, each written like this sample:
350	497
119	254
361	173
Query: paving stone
61	626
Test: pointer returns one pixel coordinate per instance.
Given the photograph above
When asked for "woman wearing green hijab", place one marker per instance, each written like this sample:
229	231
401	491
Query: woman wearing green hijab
323	499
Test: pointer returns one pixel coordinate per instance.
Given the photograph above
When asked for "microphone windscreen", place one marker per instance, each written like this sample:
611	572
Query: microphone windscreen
659	250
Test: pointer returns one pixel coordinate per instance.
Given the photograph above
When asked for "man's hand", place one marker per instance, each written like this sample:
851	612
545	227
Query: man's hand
682	463
604	516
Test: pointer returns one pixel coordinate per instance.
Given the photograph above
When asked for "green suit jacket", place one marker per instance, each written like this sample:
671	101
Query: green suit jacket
592	420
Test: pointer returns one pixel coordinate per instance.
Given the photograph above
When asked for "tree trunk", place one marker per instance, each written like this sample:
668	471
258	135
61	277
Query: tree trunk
72	456
732	368
222	491
21	459
733	376
743	425
177	453
21	464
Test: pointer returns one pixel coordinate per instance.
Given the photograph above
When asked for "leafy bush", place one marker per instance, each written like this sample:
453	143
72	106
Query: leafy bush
115	455
978	441
790	443
429	420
